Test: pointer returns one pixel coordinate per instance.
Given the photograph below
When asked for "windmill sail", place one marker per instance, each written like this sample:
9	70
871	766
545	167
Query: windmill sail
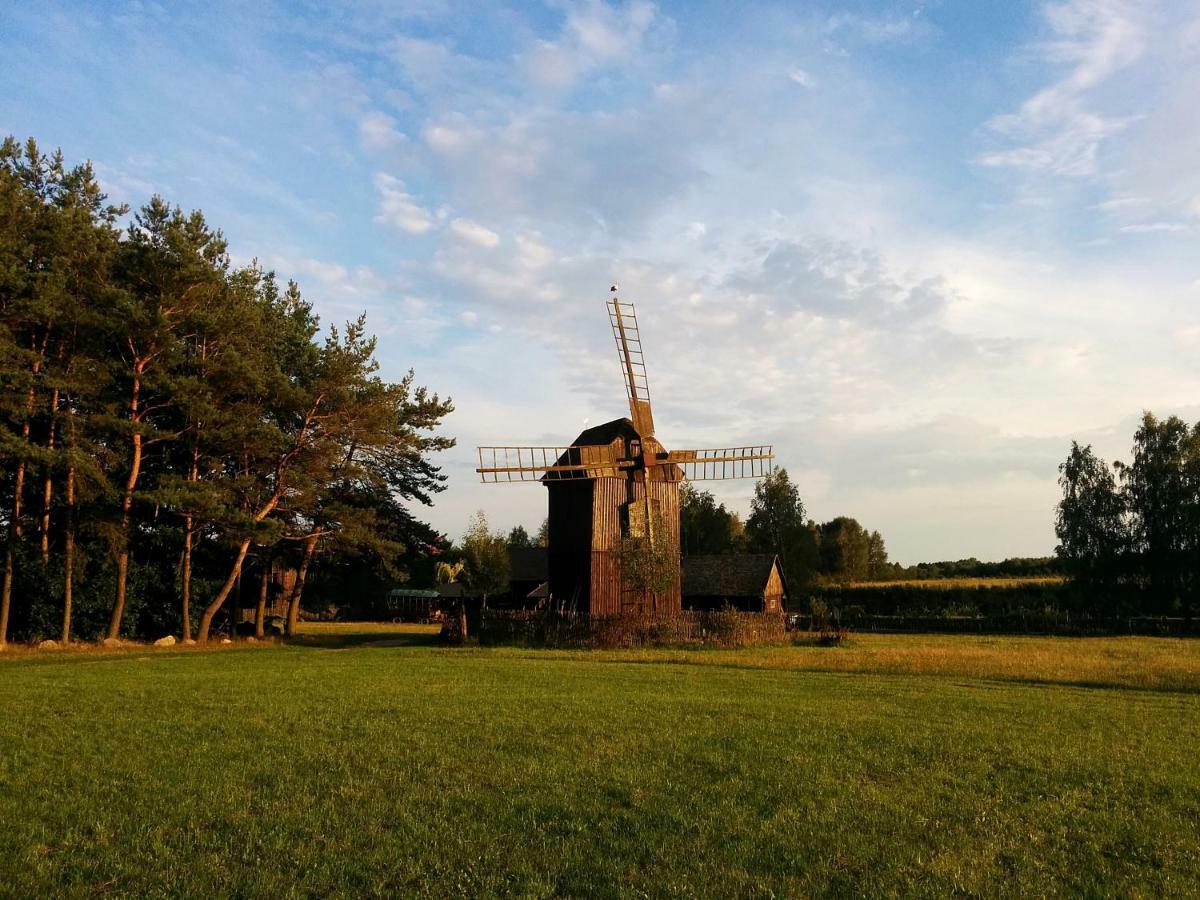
722	463
504	464
633	365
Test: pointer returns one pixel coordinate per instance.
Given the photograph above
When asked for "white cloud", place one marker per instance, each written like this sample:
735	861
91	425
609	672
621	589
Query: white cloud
378	131
1151	227
398	208
475	233
801	77
1054	130
594	34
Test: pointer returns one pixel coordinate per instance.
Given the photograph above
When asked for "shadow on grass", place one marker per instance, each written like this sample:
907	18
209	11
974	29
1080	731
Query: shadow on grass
365	639
961	679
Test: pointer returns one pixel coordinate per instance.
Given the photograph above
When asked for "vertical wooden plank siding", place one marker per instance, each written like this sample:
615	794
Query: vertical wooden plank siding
666	493
608	596
611	494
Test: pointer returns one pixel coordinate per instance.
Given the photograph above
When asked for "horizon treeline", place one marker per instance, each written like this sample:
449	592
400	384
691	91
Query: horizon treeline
173	425
838	552
1129	533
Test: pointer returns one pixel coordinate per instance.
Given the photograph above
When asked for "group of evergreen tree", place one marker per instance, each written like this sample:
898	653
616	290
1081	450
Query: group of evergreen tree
1129	534
171	424
837	551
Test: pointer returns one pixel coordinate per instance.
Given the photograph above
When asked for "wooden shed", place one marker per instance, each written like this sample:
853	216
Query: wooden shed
281	583
528	568
412	604
751	582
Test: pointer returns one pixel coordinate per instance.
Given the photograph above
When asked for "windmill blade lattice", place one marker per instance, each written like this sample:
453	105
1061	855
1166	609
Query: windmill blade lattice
724	463
623	319
504	464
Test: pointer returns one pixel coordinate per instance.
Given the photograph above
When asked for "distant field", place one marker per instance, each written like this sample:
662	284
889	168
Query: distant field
370	761
935	584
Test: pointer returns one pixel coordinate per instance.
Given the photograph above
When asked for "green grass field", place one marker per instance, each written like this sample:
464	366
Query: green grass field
368	761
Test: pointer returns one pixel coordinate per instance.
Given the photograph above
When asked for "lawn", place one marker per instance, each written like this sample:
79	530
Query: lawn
370	761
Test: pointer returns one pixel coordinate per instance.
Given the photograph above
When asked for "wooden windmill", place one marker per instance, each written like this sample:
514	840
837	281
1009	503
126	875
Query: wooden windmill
614	481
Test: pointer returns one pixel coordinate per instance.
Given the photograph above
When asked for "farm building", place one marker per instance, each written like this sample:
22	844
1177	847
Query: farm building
751	582
527	572
413	604
280	584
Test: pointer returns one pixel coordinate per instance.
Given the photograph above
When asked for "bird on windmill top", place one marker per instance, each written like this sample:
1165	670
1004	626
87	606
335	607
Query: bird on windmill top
615	481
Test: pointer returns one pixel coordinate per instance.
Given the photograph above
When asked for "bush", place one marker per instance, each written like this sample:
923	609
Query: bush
726	628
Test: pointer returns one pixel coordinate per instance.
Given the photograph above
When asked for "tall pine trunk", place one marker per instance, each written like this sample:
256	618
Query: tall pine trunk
260	611
48	482
185	575
293	615
135	467
218	601
69	552
14	527
235	573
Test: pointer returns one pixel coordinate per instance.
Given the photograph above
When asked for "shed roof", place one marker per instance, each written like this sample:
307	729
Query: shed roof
727	575
418	593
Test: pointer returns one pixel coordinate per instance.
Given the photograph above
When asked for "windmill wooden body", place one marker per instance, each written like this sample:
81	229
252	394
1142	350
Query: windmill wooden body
615	481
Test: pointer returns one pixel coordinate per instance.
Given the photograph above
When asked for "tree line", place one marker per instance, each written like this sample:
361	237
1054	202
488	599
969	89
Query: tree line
838	551
1129	533
172	425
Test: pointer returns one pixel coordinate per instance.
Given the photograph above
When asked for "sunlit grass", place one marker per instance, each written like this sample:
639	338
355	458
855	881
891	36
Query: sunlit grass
371	761
945	584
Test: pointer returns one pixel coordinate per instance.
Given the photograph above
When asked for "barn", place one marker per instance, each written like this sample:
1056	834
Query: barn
528	569
751	582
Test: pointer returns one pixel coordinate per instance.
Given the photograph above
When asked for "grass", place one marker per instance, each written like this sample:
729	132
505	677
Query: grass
370	761
947	584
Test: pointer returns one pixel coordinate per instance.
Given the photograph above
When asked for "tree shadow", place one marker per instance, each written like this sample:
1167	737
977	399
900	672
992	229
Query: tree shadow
344	640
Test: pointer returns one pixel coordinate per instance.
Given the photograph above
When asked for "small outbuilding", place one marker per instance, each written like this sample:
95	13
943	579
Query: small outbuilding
750	582
528	570
413	604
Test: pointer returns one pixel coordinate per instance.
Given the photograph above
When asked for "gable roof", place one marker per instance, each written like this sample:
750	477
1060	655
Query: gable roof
527	564
600	435
728	575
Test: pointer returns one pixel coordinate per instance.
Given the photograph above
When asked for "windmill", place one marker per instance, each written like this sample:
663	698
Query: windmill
614	481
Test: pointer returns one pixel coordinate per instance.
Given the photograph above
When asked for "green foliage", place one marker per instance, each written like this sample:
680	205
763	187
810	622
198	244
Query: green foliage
485	557
191	404
519	537
1135	545
1093	534
649	562
705	526
777	524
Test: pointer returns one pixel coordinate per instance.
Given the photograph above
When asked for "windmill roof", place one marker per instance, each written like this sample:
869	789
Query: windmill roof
599	435
727	575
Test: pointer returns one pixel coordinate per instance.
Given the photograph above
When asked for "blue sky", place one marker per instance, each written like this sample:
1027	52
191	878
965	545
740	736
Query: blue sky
920	246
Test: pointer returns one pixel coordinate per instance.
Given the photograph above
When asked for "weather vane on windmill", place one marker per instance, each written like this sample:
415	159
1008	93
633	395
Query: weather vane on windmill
615	481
